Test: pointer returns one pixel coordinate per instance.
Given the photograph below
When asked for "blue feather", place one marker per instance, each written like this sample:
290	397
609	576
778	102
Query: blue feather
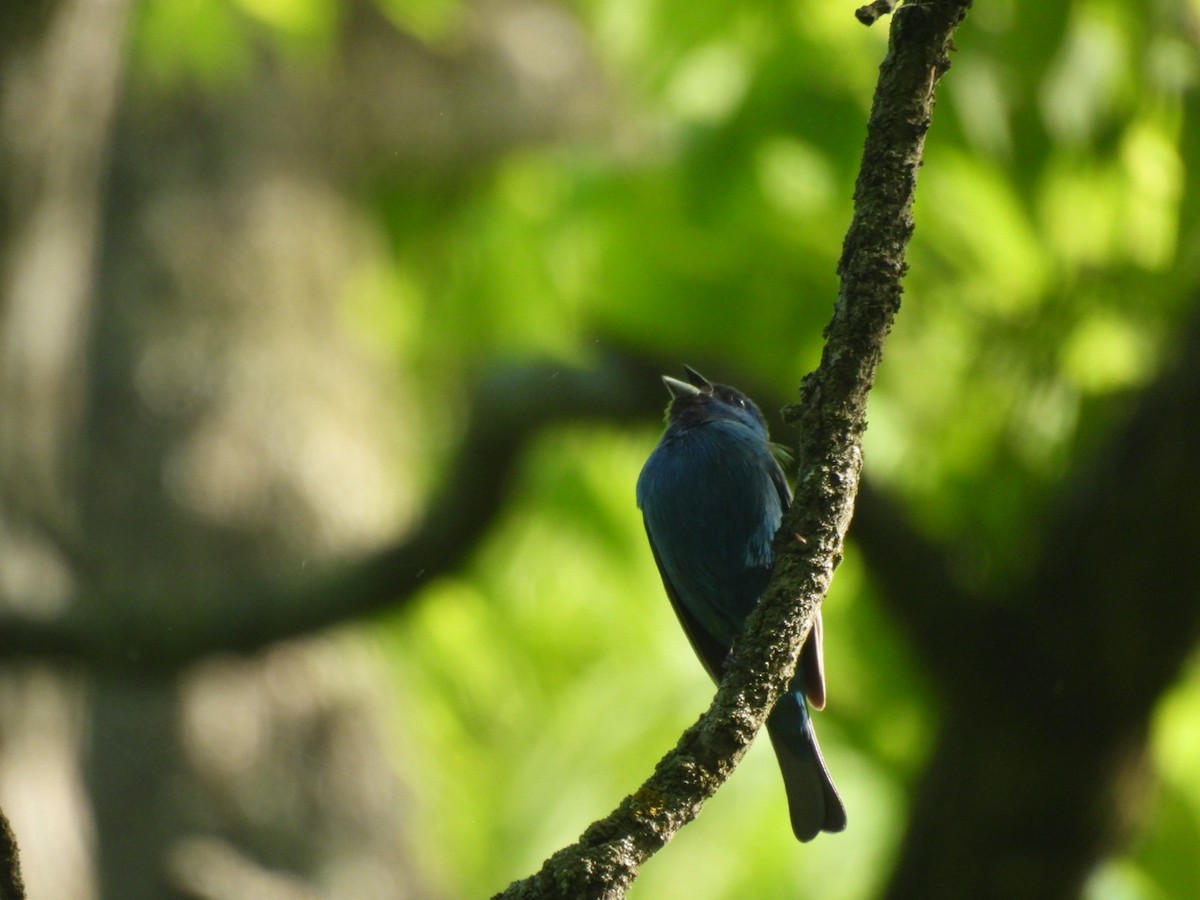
712	495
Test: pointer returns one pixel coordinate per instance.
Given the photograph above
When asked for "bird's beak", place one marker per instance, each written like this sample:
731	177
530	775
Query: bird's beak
680	388
696	378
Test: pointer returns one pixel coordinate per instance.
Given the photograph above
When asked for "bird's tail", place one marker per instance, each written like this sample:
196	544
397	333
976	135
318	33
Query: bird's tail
813	801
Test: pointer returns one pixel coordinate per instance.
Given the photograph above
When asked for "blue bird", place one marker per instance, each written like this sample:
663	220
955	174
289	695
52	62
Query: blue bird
712	495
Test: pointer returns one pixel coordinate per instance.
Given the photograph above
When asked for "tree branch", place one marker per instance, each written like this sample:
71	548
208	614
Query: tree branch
508	408
873	12
831	414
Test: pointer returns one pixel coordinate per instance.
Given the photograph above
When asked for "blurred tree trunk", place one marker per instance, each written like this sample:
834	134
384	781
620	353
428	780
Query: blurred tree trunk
184	409
1049	681
59	79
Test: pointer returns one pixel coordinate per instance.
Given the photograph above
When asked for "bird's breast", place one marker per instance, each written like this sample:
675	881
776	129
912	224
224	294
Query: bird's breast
711	509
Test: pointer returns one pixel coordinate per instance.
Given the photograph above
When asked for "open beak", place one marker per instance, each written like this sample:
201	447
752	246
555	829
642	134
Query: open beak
696	378
680	388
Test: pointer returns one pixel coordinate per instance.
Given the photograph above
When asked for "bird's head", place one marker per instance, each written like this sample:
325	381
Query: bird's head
697	401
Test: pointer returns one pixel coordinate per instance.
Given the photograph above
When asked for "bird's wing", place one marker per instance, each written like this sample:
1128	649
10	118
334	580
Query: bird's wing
812	663
711	652
812	656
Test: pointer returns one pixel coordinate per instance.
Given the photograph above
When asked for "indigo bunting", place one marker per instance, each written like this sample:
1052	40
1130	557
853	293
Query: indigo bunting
712	495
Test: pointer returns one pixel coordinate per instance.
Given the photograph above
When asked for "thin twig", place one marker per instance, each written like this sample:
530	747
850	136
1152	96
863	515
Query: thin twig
873	12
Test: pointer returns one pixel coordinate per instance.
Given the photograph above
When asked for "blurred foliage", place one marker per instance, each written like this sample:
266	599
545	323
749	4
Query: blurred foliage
1055	256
